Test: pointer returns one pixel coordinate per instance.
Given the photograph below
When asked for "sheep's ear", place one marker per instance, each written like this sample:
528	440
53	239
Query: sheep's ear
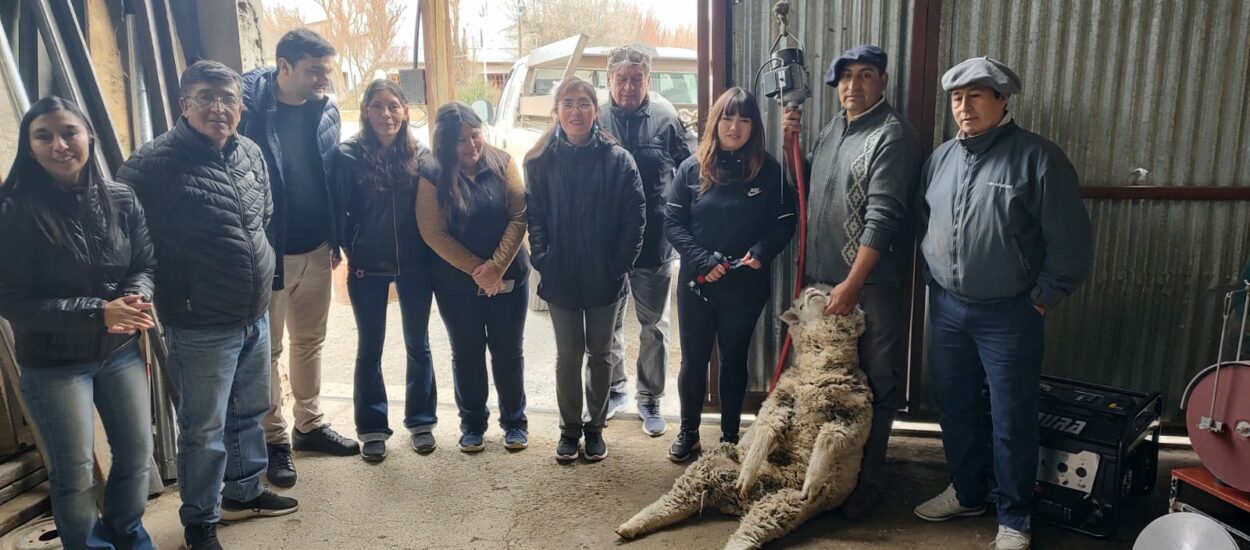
790	317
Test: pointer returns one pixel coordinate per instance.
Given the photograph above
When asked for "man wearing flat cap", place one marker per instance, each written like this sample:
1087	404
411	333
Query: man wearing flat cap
1007	239
865	169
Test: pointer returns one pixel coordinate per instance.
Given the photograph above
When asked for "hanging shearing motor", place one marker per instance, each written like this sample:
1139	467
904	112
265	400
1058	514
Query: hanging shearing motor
786	79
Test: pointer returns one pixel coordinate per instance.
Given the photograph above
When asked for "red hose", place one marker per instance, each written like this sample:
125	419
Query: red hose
800	180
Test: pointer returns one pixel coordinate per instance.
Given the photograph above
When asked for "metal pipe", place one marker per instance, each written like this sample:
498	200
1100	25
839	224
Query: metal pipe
164	395
13	79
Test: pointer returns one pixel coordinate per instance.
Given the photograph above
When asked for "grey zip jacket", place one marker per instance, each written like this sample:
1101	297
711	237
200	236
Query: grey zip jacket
1004	218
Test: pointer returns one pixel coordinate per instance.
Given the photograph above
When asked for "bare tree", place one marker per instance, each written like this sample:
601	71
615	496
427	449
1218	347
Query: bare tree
362	31
604	22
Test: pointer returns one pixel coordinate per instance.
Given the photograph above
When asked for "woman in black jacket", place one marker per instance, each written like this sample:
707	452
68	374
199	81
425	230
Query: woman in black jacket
375	173
76	283
586	213
729	212
472	214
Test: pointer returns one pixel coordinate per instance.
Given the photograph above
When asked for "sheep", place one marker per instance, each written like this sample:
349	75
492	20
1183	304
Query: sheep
802	454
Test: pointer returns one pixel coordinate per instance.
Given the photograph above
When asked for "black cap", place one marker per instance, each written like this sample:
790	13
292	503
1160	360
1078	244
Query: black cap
866	53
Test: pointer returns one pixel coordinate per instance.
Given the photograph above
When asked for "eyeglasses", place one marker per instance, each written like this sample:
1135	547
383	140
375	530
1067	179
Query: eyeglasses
583	106
206	102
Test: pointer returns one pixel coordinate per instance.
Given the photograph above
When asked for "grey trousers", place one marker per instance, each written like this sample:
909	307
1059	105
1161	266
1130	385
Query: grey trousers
583	333
883	357
650	287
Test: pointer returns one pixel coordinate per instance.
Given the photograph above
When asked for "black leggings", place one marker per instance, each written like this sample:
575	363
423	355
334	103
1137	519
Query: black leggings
702	323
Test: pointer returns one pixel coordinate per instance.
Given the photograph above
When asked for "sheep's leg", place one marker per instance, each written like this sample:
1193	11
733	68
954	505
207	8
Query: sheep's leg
831	445
762	441
685	499
770	518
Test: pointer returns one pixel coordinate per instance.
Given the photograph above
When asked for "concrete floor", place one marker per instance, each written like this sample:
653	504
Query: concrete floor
503	500
339	355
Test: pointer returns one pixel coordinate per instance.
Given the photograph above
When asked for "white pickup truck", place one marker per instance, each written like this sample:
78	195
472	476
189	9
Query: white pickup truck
525	104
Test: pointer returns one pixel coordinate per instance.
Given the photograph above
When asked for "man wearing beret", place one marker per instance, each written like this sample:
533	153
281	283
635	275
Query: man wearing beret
1007	240
865	168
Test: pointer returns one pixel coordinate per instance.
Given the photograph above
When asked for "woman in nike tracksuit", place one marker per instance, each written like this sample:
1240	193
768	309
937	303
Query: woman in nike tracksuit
728	213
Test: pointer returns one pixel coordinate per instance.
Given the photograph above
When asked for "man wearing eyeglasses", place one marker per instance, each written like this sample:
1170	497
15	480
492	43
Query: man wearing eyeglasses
205	192
653	135
287	113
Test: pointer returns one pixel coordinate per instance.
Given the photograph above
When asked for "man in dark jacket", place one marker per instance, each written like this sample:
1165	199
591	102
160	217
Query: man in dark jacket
1007	239
649	129
287	113
865	169
205	192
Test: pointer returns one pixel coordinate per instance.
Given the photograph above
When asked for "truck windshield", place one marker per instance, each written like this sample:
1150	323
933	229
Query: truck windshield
677	88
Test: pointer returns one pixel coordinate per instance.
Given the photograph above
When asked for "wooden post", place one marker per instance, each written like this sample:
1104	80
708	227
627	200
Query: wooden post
436	22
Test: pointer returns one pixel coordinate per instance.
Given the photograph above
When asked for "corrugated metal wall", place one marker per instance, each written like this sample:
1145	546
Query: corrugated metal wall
1136	92
826	29
1148	92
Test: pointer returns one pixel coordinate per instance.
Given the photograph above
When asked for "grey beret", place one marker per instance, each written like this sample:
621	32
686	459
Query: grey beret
982	71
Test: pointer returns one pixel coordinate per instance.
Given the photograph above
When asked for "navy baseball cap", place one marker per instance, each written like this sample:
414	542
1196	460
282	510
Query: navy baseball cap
866	53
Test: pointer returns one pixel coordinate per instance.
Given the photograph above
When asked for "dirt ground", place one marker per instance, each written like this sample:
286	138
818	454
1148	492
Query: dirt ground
525	500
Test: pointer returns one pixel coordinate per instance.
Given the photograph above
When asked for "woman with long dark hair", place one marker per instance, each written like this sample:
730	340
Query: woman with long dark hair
729	212
586	213
76	284
375	173
472	213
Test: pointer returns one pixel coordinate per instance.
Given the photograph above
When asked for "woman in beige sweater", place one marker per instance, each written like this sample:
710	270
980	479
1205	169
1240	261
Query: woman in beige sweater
471	212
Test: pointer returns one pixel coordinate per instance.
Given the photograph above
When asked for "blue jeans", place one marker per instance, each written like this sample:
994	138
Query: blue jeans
369	296
222	377
60	402
1002	343
474	324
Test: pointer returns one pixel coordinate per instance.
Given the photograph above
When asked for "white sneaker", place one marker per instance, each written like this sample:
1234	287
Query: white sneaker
946	506
1011	539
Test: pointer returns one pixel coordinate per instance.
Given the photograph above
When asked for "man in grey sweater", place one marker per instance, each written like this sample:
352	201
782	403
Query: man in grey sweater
1007	239
864	171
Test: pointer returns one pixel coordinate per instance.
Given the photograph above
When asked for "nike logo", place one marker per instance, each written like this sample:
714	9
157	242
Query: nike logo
753	191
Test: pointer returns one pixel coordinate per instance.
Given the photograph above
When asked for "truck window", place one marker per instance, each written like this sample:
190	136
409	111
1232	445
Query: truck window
677	88
507	105
546	80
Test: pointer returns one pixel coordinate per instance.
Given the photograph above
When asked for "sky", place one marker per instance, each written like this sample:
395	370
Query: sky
490	28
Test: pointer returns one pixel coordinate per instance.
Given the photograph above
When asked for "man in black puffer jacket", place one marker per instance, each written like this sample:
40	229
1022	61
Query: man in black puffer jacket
288	114
647	126
205	192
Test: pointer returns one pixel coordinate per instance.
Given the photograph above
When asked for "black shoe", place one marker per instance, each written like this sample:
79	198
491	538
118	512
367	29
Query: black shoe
324	440
268	504
373	451
685	446
729	438
201	536
566	449
281	469
596	449
423	443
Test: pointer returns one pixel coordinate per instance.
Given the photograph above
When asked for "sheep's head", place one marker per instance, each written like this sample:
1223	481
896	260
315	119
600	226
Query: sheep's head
812	330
